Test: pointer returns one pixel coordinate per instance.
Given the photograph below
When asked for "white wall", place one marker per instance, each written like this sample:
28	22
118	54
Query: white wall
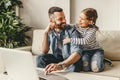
35	12
108	12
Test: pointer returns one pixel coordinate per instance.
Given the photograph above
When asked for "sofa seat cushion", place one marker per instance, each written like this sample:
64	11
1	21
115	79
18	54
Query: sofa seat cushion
110	73
113	71
76	76
84	76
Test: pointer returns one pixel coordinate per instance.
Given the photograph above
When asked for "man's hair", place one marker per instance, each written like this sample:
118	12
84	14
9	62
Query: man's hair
54	9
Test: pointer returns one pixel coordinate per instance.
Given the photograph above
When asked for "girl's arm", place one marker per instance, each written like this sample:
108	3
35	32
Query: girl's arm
87	38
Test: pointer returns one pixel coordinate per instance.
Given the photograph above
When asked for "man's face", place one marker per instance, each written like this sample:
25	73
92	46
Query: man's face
59	19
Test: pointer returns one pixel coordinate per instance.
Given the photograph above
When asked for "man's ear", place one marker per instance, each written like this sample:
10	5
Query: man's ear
52	20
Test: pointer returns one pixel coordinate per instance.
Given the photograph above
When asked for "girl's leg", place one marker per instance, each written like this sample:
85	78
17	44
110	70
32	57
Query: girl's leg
86	61
97	61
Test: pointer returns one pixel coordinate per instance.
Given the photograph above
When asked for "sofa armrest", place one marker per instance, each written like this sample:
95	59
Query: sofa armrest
25	48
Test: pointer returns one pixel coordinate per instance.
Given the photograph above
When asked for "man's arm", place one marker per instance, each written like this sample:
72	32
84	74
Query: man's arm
73	58
76	53
45	43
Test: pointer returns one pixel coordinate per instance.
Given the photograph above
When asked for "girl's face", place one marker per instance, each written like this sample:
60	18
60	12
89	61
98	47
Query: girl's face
83	21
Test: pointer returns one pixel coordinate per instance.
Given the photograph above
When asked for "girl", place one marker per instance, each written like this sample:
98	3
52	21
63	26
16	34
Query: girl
93	54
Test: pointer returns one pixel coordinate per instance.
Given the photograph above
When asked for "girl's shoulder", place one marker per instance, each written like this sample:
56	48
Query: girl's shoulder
92	29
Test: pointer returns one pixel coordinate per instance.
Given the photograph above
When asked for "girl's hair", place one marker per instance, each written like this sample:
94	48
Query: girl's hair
91	15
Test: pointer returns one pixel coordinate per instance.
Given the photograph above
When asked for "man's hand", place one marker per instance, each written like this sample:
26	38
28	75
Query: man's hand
66	40
52	67
50	27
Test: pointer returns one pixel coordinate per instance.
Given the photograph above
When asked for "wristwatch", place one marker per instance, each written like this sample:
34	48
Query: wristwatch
62	65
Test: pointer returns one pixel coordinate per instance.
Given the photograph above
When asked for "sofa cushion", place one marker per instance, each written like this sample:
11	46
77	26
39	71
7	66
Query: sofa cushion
109	41
109	71
37	41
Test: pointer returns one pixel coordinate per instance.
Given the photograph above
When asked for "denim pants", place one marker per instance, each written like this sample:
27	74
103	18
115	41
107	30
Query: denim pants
93	60
45	59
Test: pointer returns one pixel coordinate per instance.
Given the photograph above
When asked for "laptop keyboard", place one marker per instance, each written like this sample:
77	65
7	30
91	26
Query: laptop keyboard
51	76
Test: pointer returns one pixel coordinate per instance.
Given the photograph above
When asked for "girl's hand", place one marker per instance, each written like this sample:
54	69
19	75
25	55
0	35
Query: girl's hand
66	40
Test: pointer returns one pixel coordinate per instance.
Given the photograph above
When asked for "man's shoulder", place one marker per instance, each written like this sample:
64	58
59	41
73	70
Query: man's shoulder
70	27
51	33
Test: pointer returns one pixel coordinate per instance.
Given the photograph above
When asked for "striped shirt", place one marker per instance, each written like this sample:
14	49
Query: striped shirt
88	38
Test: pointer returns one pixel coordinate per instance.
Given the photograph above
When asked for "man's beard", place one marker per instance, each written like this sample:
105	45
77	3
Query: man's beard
61	26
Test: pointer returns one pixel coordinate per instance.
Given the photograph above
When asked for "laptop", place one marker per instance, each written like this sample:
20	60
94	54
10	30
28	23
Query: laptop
20	66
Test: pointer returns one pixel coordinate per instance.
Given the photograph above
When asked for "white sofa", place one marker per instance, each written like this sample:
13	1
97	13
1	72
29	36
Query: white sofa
109	40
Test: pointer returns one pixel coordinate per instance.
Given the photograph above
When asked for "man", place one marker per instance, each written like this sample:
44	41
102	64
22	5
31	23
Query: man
64	56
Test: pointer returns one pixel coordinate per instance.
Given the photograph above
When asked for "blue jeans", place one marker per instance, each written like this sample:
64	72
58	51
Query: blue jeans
93	60
45	59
